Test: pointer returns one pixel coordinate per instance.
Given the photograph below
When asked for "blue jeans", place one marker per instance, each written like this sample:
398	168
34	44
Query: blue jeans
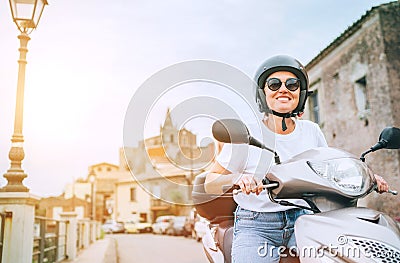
262	236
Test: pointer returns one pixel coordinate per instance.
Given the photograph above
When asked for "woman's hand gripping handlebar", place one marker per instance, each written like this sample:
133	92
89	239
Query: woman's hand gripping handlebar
247	184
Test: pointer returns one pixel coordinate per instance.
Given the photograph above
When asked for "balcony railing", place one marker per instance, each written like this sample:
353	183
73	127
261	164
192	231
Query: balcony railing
158	204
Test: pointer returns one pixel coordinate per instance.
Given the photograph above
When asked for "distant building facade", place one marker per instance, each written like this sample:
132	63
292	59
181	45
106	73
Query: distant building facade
132	202
103	189
356	84
161	185
51	207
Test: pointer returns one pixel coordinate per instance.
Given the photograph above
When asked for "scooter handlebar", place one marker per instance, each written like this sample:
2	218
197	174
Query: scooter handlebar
393	192
237	189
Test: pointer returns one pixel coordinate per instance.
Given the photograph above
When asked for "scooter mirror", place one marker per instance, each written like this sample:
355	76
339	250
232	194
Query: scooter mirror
230	131
235	131
390	138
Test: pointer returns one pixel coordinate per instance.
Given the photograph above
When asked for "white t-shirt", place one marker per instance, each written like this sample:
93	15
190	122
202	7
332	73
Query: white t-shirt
245	159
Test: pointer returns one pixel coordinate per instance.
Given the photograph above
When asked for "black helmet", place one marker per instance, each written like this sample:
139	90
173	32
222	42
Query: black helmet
281	63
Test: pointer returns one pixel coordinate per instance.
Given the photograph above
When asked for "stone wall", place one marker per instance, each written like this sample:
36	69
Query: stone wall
366	54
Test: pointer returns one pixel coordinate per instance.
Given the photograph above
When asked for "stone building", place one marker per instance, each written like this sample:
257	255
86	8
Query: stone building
76	198
162	185
51	207
106	176
356	84
172	145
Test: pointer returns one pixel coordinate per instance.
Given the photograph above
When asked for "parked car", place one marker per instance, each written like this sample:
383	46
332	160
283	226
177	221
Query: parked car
189	227
113	227
161	224
200	227
189	224
177	227
135	226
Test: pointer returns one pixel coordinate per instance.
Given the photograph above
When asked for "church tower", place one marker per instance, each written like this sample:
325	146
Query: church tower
168	132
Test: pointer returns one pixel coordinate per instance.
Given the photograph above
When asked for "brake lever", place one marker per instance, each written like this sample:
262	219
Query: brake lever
393	192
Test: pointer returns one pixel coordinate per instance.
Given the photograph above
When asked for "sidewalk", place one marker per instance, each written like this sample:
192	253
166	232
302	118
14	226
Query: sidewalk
102	251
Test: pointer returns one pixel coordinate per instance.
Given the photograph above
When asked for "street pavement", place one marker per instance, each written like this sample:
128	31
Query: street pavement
102	251
151	248
138	248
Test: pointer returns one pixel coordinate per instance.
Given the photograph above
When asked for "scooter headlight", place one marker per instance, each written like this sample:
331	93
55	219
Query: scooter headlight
350	176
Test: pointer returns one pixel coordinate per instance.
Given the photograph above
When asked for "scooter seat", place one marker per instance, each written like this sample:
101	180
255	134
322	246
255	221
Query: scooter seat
214	207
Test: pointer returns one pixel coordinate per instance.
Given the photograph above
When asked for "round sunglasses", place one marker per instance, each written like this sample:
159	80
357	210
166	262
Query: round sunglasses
291	84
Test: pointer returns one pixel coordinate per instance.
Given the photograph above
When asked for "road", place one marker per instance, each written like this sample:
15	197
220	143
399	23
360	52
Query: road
149	248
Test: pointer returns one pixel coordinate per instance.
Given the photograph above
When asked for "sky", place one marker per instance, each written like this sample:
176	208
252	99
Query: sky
87	59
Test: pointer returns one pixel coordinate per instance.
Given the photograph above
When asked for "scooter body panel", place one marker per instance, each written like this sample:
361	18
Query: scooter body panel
347	235
212	251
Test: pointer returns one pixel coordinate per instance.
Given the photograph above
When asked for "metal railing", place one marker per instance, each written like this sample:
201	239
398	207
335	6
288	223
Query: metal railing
53	240
80	235
50	239
86	233
3	217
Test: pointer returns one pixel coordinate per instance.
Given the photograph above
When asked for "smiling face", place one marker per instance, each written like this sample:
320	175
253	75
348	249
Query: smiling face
282	100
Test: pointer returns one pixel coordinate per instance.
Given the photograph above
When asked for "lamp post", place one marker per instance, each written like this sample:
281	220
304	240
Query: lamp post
92	180
26	15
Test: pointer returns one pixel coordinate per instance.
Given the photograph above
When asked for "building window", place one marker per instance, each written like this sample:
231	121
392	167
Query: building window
133	194
156	190
314	107
182	138
361	98
143	217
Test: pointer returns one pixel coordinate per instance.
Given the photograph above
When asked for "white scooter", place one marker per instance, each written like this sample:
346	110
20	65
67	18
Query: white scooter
330	181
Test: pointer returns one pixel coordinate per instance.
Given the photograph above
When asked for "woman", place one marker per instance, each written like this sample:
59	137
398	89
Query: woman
262	228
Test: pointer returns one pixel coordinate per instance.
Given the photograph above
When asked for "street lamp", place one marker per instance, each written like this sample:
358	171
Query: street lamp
92	180
26	15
